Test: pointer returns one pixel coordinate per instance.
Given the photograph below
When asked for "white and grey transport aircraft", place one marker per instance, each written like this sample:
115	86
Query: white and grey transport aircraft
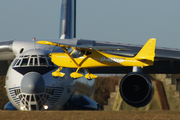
30	85
29	82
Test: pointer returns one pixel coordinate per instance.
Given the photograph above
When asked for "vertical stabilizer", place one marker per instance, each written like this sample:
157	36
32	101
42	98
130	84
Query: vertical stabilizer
148	51
68	19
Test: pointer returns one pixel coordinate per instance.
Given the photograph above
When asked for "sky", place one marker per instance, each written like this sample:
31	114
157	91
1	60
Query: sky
122	21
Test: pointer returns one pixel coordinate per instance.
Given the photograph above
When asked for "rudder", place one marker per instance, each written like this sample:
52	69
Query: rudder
148	51
68	19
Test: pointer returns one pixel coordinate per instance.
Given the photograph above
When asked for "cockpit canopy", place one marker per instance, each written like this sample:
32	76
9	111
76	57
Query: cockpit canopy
32	60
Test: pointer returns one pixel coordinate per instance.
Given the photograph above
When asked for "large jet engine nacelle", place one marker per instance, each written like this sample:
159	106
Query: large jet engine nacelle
136	89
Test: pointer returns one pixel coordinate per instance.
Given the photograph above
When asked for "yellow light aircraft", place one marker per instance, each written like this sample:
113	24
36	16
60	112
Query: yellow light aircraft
93	56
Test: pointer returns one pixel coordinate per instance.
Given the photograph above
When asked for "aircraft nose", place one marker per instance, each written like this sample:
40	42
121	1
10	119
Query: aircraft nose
32	83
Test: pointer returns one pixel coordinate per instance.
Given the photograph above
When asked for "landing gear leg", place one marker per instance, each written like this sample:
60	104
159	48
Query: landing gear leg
76	74
90	76
57	73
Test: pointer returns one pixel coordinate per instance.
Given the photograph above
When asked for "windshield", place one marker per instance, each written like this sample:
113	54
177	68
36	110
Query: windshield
32	60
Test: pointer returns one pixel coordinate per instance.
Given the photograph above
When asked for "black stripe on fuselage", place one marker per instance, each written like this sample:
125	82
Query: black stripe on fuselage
39	69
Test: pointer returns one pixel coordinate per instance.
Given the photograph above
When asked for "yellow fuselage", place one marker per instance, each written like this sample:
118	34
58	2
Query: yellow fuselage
96	59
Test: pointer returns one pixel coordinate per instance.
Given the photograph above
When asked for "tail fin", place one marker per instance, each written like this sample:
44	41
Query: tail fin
148	51
68	19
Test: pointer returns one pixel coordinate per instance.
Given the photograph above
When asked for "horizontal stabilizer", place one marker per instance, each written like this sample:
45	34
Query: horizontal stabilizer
148	51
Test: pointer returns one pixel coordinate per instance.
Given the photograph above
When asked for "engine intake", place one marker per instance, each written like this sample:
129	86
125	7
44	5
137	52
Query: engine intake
136	89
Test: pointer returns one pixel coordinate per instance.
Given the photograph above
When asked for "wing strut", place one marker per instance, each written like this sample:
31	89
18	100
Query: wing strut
57	73
73	74
70	56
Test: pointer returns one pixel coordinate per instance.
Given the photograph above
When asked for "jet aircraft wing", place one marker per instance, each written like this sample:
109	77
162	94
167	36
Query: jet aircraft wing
6	55
166	61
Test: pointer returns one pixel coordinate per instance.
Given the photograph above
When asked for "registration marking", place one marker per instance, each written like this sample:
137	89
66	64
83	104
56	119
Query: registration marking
112	60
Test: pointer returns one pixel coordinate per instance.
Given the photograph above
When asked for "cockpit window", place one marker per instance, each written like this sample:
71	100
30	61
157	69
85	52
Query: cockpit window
15	61
25	61
42	56
49	61
80	53
26	56
35	62
18	63
88	52
42	61
32	60
33	55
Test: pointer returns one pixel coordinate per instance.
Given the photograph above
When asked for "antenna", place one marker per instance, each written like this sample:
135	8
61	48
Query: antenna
34	39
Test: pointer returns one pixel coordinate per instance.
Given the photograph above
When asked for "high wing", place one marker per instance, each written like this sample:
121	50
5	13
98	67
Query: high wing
85	47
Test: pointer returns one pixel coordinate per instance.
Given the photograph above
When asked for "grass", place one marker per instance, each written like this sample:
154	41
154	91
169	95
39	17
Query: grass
91	115
3	97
